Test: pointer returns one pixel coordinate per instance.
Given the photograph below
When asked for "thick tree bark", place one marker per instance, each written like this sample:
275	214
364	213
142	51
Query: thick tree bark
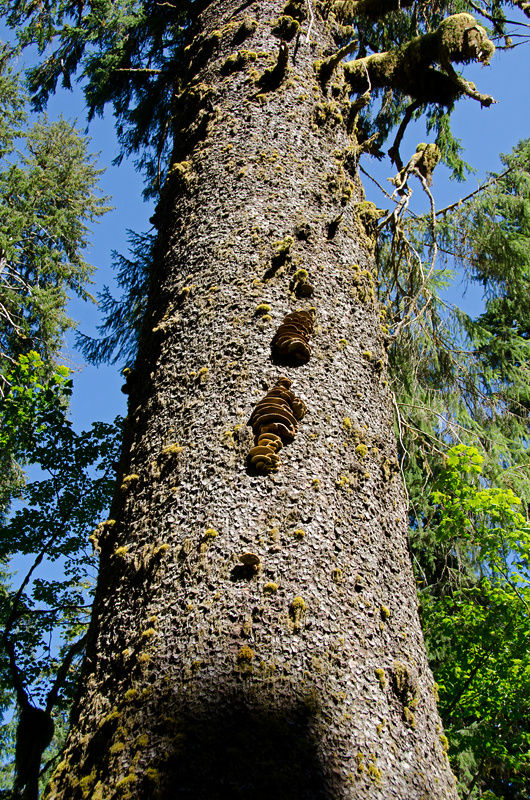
306	675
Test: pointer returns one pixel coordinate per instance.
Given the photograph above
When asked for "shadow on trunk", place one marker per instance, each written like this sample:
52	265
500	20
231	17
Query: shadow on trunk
212	748
238	753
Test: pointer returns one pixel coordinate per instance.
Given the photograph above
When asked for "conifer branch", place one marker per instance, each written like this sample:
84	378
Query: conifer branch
481	188
138	69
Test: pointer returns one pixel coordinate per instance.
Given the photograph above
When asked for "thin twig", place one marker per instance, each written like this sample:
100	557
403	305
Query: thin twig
138	69
379	186
493	19
63	671
481	188
403	448
311	20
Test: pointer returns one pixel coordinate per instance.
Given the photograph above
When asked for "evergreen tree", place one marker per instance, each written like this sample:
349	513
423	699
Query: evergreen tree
47	196
47	186
255	628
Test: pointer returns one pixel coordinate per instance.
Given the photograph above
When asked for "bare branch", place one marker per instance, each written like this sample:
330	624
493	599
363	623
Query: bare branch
75	649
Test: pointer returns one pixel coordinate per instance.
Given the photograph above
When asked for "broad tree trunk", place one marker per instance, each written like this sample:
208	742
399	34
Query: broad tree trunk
304	676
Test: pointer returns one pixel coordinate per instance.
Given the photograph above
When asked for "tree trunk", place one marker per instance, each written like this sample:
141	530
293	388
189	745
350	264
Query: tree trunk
300	673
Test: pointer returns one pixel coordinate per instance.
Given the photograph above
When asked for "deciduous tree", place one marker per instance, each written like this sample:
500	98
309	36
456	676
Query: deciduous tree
44	615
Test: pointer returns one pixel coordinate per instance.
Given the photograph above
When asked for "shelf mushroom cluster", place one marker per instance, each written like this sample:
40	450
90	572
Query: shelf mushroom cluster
290	345
273	422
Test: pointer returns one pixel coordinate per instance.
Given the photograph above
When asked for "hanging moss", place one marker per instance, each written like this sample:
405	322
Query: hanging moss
247	28
272	77
328	113
409	717
336	576
381	677
297	611
180	174
361	450
262	309
245	655
282	249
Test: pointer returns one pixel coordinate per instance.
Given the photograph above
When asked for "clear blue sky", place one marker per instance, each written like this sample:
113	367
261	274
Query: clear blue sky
485	132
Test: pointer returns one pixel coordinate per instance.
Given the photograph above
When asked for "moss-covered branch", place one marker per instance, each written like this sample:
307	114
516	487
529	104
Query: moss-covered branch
325	68
458	39
375	9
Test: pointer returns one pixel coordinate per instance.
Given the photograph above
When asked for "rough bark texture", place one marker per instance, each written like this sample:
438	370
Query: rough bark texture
304	677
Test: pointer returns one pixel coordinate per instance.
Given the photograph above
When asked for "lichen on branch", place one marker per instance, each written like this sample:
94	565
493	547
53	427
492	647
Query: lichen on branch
458	39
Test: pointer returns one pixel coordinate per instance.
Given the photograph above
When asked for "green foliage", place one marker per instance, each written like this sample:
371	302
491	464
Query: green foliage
461	381
477	627
31	397
45	535
457	379
123	316
47	182
130	54
7	749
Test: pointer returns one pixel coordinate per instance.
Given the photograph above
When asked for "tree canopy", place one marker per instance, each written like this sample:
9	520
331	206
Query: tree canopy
138	56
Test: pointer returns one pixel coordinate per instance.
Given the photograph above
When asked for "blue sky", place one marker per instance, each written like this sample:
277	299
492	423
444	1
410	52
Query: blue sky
484	132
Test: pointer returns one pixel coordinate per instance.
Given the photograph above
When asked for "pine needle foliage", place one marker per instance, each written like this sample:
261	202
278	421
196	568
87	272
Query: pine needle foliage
135	55
129	54
459	379
47	198
122	316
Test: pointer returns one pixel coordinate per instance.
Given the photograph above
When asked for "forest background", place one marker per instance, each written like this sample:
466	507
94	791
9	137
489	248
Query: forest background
484	133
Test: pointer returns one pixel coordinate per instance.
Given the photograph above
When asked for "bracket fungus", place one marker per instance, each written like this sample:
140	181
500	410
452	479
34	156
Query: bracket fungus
273	423
290	345
251	562
264	455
